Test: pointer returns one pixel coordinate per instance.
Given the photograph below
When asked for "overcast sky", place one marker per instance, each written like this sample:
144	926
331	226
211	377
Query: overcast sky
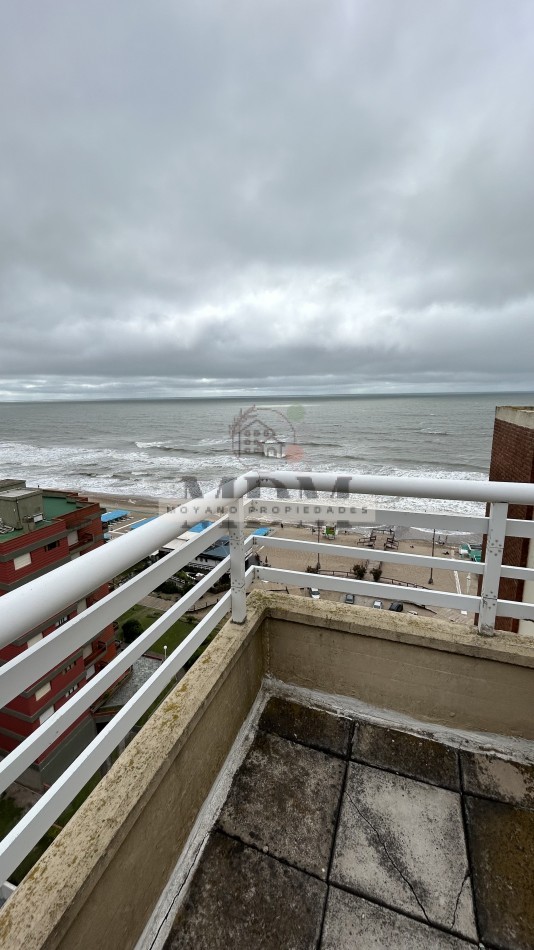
277	195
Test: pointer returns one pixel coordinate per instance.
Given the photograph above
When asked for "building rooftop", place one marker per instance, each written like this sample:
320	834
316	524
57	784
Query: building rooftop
54	506
141	671
18	532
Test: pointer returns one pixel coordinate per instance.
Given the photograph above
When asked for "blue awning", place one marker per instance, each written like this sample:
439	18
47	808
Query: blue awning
139	524
114	515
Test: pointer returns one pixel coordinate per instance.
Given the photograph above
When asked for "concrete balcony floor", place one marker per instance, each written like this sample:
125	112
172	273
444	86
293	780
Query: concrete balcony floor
342	833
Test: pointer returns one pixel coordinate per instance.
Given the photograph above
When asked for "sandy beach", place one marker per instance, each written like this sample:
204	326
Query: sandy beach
137	504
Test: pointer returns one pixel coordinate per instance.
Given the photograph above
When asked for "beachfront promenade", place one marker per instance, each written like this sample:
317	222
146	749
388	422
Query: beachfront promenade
409	540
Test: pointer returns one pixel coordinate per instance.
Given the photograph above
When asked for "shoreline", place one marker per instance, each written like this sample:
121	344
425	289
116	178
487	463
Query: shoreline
141	503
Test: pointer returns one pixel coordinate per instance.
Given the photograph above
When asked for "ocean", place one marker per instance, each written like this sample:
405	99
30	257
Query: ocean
148	447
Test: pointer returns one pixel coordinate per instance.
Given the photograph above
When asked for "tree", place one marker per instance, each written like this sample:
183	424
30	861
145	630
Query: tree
359	571
377	574
169	586
131	629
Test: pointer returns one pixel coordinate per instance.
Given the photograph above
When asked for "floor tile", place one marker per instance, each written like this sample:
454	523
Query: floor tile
402	842
242	900
314	727
352	923
493	777
415	756
501	841
285	799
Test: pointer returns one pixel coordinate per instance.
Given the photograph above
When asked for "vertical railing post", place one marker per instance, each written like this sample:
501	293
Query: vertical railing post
492	568
237	560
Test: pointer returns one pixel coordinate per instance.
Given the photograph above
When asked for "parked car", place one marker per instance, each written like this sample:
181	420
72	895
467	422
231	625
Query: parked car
378	604
396	605
349	598
314	593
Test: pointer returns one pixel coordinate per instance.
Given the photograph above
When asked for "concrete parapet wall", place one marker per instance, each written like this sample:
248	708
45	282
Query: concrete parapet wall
430	669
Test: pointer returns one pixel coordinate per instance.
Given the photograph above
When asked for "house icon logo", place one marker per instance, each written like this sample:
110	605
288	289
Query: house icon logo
264	430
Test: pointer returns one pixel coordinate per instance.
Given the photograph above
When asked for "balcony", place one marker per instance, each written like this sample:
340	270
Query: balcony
341	770
99	649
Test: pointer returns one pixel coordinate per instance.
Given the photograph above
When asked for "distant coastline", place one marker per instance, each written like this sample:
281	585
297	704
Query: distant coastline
273	396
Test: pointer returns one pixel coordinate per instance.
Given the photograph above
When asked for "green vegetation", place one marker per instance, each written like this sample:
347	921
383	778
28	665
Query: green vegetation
377	574
169	587
145	616
359	571
9	814
131	629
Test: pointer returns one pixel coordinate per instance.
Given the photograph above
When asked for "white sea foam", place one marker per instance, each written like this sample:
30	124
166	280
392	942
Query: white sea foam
145	449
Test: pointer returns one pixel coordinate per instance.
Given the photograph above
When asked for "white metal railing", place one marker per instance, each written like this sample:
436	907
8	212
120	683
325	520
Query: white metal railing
229	508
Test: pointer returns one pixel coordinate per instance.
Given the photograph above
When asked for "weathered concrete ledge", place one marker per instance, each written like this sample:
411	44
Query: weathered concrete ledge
98	883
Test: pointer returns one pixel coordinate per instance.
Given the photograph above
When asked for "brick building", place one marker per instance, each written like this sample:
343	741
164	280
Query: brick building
40	530
512	460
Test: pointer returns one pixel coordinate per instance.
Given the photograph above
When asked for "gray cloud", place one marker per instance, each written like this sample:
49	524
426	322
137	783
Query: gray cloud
297	196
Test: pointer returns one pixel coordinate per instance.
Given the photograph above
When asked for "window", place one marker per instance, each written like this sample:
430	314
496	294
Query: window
33	640
43	690
71	690
61	621
46	715
82	605
23	560
72	537
90	671
51	546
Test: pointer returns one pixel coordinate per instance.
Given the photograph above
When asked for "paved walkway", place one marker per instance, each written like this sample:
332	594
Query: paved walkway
344	835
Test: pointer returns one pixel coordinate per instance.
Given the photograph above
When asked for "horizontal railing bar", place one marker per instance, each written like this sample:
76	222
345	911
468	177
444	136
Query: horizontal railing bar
37	600
388	557
27	668
518	573
40	740
518	528
519	610
453	489
312	511
33	825
422	596
427	598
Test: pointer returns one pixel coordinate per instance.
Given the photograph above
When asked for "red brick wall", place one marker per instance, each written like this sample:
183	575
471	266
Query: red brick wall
42	559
